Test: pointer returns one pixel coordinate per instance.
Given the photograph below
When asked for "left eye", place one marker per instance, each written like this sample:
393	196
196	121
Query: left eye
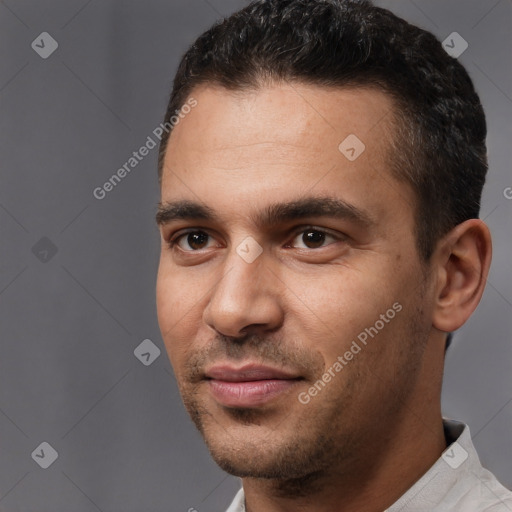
312	239
196	240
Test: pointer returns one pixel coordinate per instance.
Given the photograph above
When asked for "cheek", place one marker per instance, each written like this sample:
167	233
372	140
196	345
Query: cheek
177	292
337	307
177	302
166	303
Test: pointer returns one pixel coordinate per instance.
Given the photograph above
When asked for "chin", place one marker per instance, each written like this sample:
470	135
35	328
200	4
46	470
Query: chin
255	451
258	443
247	463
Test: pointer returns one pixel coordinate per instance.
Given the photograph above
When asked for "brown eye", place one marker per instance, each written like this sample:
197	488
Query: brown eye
192	241
313	239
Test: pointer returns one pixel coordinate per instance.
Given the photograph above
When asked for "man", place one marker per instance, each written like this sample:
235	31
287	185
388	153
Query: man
320	190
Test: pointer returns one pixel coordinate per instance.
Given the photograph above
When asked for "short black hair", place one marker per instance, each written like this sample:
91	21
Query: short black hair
438	145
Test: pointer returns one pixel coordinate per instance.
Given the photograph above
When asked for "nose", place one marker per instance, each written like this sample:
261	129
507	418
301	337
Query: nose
246	299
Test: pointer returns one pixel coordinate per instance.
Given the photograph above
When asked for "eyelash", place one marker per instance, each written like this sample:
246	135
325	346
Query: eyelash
339	237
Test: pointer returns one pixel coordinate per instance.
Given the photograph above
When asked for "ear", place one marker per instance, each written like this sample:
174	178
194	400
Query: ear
462	258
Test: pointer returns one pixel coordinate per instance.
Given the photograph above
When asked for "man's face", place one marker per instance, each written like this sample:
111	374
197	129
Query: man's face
297	254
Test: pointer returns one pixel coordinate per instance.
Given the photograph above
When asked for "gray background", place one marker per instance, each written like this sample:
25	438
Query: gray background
70	321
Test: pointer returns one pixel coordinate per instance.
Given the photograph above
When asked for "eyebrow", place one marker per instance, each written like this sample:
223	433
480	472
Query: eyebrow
272	215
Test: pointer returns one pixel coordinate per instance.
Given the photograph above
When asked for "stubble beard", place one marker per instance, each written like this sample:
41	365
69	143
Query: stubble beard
299	454
316	441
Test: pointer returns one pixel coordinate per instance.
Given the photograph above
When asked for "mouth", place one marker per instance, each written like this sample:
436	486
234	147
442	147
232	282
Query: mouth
248	386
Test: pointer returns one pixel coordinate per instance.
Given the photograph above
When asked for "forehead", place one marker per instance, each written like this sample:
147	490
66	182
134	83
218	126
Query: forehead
281	141
289	113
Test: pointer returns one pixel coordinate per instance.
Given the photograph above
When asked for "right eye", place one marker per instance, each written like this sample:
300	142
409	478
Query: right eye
191	241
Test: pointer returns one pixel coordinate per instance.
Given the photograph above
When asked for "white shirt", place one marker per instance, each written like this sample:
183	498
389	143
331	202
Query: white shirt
456	482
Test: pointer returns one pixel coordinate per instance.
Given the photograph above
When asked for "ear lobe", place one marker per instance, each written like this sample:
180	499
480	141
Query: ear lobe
463	259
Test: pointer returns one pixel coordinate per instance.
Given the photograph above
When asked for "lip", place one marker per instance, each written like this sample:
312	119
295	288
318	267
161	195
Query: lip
248	386
248	372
